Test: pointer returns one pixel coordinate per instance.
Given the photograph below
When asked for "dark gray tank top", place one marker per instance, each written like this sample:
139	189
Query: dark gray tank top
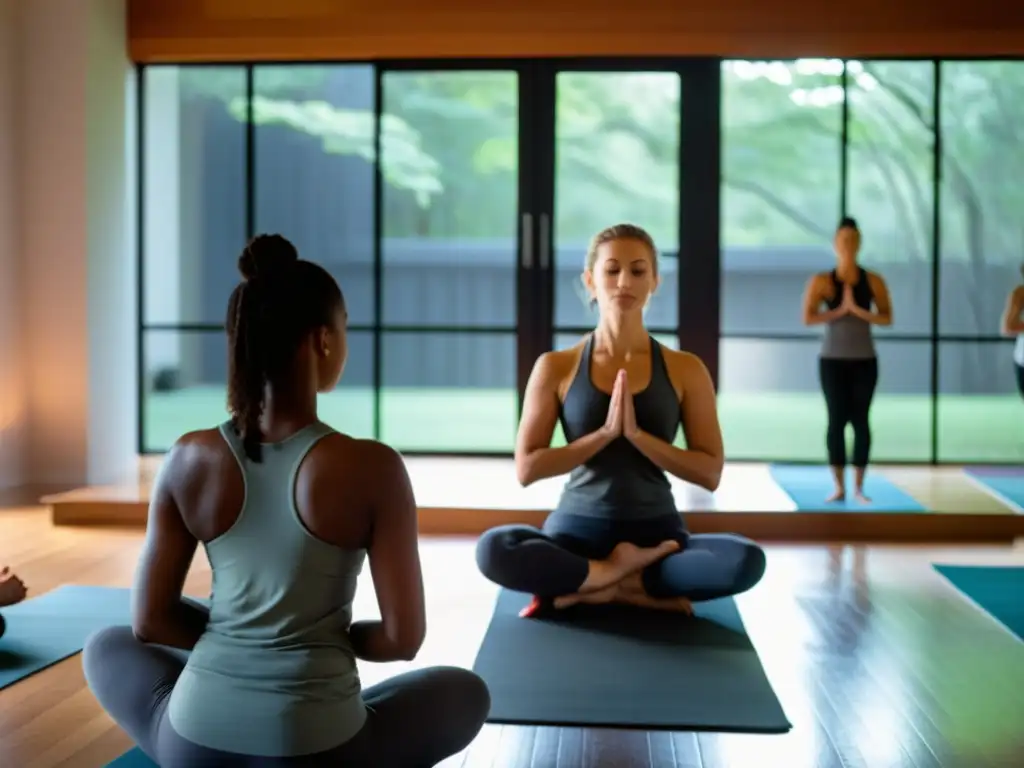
619	482
849	337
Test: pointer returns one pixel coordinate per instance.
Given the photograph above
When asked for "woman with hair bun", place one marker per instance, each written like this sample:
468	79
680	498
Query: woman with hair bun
287	510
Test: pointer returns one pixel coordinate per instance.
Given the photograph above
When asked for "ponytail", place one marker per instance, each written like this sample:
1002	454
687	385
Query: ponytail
278	303
248	371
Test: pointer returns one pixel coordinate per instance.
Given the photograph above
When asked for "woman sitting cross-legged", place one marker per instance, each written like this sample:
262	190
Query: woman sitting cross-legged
616	534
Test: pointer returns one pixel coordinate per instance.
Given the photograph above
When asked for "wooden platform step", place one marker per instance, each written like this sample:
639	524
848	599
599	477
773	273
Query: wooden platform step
469	496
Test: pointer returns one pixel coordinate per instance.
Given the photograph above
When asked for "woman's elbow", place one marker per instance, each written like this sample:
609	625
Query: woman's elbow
713	475
146	631
524	470
407	647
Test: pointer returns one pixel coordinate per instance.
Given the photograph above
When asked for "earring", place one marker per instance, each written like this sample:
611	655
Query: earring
327	353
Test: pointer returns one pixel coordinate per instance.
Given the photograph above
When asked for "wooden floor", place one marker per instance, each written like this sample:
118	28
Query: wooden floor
468	496
877	660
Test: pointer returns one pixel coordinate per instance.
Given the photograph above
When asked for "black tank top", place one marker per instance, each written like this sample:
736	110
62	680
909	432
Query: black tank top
849	337
619	482
863	296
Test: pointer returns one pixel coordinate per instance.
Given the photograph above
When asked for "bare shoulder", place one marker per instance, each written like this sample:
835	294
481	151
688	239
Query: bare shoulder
344	458
819	283
1018	295
554	369
685	369
875	280
556	363
195	453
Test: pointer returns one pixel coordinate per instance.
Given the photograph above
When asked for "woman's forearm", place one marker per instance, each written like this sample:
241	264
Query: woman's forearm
371	642
1013	327
552	462
819	318
181	629
694	467
875	318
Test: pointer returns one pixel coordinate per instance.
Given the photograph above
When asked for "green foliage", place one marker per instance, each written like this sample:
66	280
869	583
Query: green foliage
450	144
353	132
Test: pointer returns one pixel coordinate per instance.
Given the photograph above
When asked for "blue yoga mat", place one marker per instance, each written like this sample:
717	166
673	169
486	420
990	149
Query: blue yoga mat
50	628
1007	484
997	590
809	486
133	759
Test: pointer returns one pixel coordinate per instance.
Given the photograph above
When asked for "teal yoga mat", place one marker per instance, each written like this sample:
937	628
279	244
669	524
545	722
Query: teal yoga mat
136	758
997	590
1005	483
621	667
44	630
809	486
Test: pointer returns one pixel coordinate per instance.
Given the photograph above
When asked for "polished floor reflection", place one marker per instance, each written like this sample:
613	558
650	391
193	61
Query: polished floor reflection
877	660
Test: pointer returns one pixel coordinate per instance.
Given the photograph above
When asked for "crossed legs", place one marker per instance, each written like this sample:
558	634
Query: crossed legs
651	563
415	719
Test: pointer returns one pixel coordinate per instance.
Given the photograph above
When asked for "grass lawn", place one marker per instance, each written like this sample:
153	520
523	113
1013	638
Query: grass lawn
760	427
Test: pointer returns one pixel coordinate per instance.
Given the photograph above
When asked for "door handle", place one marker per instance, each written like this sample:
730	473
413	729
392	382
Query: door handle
526	236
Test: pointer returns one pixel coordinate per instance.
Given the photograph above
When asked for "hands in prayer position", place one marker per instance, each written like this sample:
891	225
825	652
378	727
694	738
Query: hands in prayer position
621	419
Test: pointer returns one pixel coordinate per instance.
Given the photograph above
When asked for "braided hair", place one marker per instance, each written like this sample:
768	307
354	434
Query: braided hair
279	302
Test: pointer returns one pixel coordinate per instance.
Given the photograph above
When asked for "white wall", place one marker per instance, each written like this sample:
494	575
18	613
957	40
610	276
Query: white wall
73	393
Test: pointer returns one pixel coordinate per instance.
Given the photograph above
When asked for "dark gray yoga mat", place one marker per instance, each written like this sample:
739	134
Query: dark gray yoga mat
621	667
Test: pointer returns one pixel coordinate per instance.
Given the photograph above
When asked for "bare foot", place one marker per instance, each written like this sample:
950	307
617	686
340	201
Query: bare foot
839	495
598	597
12	589
632	592
628	558
859	495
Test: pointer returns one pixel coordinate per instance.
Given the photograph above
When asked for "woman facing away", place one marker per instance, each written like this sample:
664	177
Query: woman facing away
286	509
616	534
848	301
1013	325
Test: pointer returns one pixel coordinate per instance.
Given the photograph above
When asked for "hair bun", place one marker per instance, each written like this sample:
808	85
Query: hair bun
266	254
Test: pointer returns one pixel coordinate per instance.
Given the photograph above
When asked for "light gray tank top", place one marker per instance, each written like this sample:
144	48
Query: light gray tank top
849	337
274	674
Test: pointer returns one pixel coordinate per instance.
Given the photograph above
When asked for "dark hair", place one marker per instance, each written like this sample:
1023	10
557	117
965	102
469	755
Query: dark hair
280	300
848	222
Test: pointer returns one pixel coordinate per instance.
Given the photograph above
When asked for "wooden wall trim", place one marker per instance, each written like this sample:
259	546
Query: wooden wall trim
317	30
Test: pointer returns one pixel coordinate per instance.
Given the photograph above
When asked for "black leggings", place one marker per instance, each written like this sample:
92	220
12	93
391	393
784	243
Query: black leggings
553	562
1020	379
849	387
414	720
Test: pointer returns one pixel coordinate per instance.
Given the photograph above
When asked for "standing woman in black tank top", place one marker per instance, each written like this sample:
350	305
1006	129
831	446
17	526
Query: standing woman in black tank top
854	300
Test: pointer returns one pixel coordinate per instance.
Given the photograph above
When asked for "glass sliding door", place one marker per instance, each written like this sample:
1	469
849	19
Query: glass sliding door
616	160
613	145
453	201
450	259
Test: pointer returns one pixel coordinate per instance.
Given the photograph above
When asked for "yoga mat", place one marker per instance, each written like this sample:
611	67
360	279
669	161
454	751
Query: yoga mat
623	667
44	630
134	759
1005	483
997	590
809	486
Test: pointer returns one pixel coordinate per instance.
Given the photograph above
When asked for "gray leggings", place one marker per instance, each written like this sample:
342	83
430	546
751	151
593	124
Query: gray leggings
416	719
